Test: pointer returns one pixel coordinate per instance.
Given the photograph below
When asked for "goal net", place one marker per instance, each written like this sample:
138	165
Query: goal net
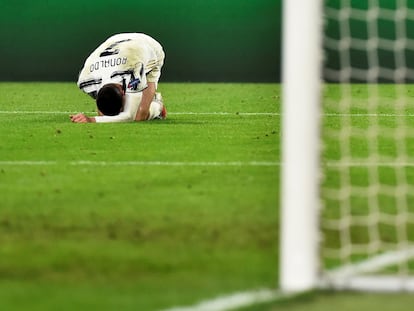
364	199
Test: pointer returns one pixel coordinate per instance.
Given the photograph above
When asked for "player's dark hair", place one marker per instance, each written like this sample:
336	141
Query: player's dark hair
109	99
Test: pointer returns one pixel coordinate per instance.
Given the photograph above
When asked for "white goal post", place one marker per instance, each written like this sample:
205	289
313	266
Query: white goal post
347	175
302	34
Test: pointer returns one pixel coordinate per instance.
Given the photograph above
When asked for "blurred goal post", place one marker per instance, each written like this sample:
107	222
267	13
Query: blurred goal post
302	33
347	217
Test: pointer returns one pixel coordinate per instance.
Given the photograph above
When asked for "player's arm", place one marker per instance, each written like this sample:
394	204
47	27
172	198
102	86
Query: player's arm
147	97
82	118
131	103
124	116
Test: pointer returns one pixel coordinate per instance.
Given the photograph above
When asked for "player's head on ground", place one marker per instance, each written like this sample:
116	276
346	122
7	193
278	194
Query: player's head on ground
110	99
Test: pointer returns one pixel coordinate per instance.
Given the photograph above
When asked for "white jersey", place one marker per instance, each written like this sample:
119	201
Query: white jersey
129	59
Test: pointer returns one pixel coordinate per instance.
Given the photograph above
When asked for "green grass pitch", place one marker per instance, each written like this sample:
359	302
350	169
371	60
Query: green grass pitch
136	236
144	216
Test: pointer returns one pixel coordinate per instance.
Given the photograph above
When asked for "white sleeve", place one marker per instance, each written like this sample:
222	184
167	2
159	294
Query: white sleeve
122	117
132	101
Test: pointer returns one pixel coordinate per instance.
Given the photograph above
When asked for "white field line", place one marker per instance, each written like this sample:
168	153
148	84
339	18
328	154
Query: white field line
368	115
170	113
227	113
137	163
233	301
221	113
173	163
340	164
35	112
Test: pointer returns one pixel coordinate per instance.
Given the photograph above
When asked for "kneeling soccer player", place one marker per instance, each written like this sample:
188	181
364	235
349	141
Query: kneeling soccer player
122	76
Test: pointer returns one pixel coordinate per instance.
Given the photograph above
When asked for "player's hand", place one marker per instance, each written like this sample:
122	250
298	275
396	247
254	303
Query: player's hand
81	118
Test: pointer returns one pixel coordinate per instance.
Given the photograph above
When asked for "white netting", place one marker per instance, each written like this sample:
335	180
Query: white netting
368	134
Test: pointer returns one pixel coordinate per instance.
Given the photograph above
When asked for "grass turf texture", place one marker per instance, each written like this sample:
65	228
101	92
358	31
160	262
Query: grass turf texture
146	237
136	237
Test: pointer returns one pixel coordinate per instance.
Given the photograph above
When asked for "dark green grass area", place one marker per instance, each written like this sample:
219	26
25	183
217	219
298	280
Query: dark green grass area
119	236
